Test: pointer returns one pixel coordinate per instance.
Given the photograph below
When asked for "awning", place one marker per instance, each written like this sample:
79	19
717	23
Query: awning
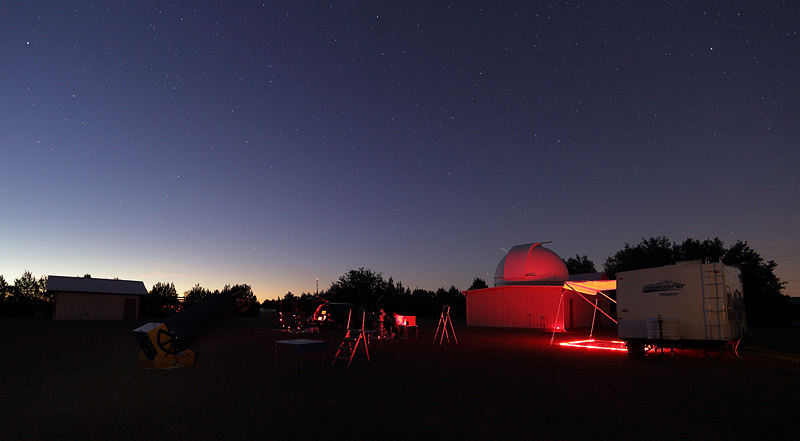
591	287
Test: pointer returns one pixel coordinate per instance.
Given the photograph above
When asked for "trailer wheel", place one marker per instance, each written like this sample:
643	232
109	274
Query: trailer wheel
635	349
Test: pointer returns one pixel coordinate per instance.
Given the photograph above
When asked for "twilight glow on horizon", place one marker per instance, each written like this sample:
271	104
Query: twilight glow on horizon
277	143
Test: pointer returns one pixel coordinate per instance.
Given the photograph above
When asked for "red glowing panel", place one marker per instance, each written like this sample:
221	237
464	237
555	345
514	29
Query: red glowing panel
597	344
405	320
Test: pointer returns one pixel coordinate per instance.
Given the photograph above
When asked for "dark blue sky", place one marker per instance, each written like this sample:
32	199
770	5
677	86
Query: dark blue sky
273	143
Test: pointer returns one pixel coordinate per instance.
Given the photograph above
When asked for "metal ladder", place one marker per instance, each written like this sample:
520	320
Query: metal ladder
715	313
352	339
444	320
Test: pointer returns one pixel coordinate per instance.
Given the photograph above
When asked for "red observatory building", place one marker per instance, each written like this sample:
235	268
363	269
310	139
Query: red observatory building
533	289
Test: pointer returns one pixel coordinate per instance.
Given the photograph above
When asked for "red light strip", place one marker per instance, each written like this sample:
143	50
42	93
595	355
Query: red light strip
597	344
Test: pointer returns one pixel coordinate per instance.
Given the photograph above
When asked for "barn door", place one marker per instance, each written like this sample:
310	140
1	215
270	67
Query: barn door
130	309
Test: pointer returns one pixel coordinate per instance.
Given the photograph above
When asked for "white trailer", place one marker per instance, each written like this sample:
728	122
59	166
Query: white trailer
687	304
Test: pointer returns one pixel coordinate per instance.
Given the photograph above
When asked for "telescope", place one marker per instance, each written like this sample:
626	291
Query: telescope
166	345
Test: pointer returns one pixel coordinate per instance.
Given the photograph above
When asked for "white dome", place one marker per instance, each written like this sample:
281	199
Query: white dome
530	263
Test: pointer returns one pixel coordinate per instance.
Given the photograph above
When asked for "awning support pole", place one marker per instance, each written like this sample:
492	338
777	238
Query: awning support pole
594	316
609	298
560	301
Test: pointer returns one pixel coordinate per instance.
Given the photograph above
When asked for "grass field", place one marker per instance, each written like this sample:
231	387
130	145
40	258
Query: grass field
80	380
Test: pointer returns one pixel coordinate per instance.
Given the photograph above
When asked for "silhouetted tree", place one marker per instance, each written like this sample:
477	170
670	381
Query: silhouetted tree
5	298
764	300
650	253
4	288
196	295
270	304
247	301
397	299
163	299
580	265
27	295
289	303
454	298
478	283
423	303
362	286
709	250
28	289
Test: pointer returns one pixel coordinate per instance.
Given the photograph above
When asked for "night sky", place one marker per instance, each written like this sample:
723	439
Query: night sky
274	143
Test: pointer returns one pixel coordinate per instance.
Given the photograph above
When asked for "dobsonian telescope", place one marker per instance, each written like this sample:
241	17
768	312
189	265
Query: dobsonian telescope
166	345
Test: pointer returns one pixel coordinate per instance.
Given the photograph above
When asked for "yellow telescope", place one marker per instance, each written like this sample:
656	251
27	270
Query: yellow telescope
166	345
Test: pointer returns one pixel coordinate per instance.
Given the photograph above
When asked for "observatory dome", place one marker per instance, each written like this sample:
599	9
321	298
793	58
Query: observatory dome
530	264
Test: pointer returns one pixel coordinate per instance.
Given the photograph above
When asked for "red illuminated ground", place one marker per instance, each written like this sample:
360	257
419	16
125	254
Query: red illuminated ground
80	380
592	343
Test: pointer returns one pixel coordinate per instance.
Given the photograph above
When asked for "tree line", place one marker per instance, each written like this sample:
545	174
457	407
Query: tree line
371	290
28	296
765	302
163	299
25	297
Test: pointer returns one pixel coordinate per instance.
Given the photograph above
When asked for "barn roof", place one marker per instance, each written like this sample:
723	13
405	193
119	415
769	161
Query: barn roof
98	286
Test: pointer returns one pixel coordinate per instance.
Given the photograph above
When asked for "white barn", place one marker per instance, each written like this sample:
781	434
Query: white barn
87	298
